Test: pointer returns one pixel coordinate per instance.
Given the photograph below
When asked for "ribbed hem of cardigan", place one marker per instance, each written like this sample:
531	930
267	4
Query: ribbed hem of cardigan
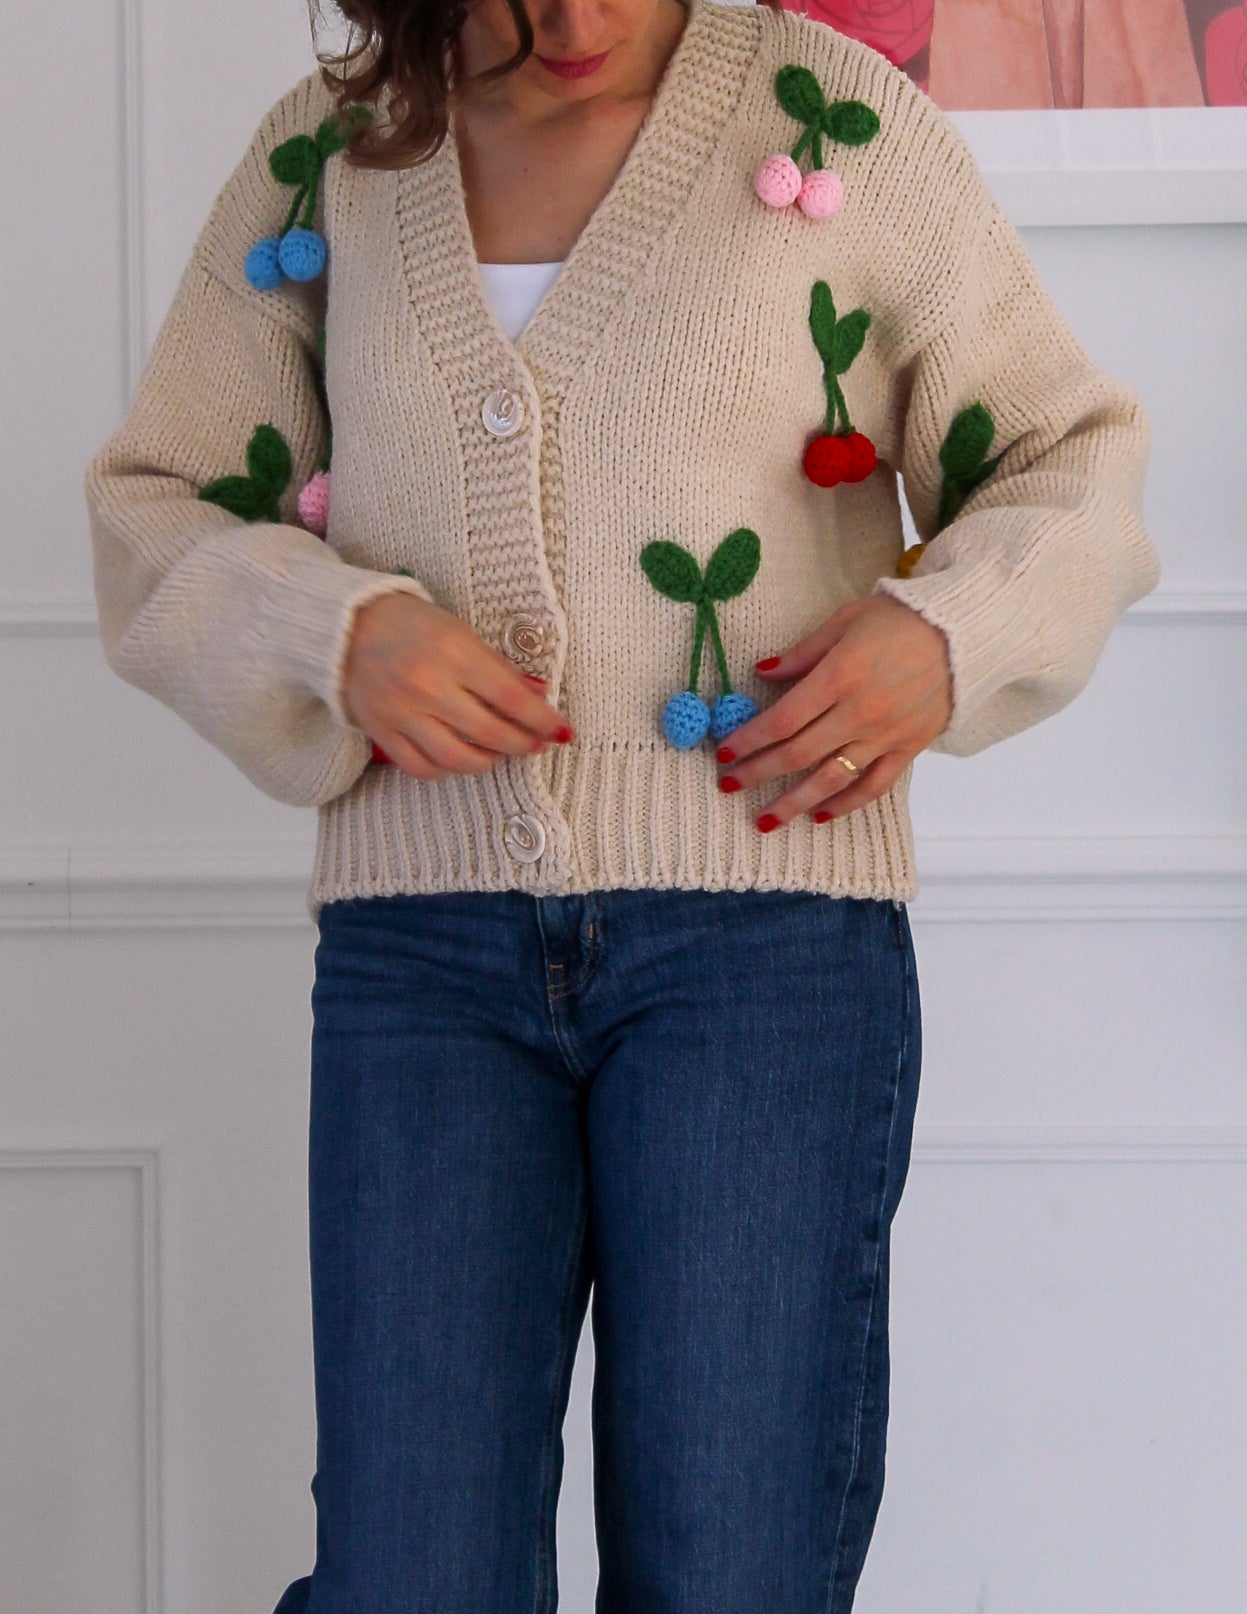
615	815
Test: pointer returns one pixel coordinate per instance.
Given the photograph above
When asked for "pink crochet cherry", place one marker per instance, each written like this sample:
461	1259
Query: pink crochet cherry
821	195
314	504
778	181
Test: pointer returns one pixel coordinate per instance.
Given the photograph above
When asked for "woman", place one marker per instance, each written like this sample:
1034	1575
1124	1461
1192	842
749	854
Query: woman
581	1017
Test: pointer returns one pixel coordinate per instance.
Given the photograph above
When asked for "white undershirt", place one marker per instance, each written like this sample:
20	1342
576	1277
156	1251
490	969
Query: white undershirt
515	289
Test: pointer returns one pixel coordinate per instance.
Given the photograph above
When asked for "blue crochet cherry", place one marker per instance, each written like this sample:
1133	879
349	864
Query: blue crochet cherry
729	712
263	267
675	573
297	251
686	719
302	254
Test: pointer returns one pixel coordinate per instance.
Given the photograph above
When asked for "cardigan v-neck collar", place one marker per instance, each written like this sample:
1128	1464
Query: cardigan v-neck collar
700	86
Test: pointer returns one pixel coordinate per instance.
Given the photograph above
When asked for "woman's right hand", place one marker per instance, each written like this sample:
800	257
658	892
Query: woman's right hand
429	690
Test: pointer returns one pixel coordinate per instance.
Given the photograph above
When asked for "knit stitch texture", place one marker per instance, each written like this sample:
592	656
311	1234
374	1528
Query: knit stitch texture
668	388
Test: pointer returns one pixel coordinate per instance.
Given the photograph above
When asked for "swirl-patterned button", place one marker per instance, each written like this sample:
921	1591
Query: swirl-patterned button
502	413
524	837
523	637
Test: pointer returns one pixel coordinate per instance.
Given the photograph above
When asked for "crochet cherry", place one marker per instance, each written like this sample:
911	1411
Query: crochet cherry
837	455
675	573
299	252
729	712
820	194
686	719
263	267
778	181
302	254
314	504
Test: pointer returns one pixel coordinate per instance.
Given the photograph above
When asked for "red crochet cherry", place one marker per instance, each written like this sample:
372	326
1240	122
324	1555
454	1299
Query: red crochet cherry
839	457
862	459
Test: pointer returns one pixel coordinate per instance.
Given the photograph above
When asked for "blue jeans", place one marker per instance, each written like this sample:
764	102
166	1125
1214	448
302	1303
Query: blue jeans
698	1103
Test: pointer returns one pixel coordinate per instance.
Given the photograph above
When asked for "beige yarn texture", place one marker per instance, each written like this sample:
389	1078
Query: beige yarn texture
669	385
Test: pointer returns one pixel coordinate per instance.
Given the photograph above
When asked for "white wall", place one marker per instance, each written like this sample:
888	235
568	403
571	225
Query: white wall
1070	1265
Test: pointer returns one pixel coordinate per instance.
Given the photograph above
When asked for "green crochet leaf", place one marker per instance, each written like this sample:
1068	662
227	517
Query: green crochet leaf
335	131
961	456
268	459
798	92
241	497
823	320
847	339
968	440
852	123
296	161
733	565
672	570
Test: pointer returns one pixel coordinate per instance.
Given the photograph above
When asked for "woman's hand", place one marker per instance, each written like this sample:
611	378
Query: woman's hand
427	688
875	685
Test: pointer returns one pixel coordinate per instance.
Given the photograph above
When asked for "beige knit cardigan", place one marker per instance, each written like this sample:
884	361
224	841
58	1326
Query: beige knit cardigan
667	386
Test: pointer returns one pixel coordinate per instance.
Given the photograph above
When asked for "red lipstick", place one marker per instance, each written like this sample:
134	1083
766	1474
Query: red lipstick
566	68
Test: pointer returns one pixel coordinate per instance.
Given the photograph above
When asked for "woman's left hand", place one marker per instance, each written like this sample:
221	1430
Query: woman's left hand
875	685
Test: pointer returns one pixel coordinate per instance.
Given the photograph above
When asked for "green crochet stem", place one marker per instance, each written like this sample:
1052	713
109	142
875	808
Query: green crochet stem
300	161
294	209
836	404
838	341
307	192
706	618
813	138
694	670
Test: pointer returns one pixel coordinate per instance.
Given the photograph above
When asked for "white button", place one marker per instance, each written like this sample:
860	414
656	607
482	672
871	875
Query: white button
524	837
502	412
523	636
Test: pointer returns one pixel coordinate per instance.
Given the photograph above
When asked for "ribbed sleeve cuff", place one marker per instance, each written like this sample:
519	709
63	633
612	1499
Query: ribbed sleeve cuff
979	617
312	625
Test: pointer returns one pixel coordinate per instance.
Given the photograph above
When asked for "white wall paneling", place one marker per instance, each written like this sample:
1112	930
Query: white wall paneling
80	1490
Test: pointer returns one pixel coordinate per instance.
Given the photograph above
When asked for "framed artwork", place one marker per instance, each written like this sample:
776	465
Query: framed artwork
1080	111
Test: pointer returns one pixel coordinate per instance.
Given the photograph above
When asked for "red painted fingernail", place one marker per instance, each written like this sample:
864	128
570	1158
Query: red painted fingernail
765	666
725	754
378	755
729	782
533	678
821	818
563	734
768	822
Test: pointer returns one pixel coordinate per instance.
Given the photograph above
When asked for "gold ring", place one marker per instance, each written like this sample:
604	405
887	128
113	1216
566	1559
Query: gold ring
851	766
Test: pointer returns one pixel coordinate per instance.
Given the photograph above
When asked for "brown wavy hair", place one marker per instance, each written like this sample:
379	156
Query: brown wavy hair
408	50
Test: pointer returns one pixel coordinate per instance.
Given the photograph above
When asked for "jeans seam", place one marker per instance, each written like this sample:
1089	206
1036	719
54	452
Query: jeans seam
874	1287
548	1516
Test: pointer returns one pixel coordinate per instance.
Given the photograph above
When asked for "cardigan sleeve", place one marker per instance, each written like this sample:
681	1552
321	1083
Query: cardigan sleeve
1028	577
239	626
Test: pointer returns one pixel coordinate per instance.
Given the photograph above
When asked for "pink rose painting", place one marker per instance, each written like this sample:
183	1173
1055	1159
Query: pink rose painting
987	54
